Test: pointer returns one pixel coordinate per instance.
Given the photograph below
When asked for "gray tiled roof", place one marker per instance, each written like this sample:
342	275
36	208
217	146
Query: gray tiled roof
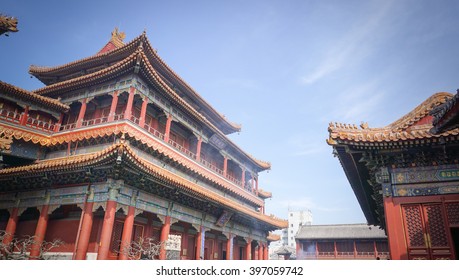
348	231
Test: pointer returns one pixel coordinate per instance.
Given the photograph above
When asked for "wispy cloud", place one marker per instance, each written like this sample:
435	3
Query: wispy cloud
360	102
352	47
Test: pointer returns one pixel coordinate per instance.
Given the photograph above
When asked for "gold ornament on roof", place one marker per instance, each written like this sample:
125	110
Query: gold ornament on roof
8	24
118	37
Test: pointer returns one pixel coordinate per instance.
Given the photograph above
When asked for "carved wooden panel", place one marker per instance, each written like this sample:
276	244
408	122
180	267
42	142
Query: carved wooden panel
452	212
414	226
436	226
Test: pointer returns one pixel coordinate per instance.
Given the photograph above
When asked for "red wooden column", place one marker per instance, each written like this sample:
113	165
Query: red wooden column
225	166
111	115
57	127
130	101
168	128
127	233
198	149
355	250
200	243
164	236
85	233
266	252
40	232
107	229
82	113
229	247
25	116
335	250
11	226
256	186
143	112
375	249
248	250
260	251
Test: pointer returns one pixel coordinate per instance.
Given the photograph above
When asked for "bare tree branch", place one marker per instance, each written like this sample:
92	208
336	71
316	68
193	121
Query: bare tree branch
18	248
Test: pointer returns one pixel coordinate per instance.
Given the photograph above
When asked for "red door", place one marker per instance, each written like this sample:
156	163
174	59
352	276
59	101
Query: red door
426	231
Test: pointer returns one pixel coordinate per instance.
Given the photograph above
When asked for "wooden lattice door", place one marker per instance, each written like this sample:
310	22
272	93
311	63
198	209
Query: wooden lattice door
426	231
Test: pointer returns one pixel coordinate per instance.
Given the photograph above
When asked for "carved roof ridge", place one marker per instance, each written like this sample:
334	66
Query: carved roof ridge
420	111
50	88
40	165
34	69
33	96
395	131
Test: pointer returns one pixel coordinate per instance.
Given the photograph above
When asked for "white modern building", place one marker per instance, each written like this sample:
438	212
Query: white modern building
296	219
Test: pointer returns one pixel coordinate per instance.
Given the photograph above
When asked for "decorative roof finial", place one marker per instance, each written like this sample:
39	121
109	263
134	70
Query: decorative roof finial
8	24
117	37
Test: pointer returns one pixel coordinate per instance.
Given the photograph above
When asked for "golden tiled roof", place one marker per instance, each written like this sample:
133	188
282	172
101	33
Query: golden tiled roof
87	62
33	97
109	154
404	129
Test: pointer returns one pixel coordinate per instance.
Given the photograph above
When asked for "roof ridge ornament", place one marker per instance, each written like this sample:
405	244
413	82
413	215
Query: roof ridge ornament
117	37
8	24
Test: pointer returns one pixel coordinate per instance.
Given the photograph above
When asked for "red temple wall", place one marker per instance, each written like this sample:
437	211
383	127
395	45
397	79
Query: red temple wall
65	230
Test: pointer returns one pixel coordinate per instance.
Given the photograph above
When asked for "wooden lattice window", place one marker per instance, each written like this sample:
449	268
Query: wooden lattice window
415	231
116	237
436	226
452	211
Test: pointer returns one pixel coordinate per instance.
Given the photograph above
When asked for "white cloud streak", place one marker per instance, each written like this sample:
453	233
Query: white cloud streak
352	47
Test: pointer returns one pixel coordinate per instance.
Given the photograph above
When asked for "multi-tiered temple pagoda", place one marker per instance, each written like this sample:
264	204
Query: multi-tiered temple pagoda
406	177
116	146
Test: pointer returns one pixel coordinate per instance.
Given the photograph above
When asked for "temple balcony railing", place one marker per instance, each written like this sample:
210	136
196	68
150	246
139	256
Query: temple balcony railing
211	166
234	180
10	116
159	135
94	121
328	255
68	126
182	149
154	132
15	117
40	125
135	119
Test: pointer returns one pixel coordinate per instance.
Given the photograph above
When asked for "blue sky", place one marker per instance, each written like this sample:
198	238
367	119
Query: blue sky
282	69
